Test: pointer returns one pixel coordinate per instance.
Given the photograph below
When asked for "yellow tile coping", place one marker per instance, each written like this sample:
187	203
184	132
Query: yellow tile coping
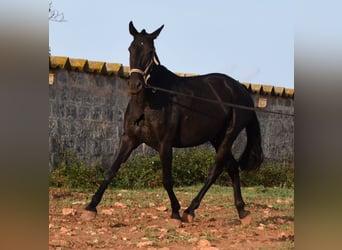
62	62
77	64
59	62
95	67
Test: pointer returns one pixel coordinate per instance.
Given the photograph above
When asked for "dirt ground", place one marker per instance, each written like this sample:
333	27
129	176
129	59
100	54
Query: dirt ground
140	220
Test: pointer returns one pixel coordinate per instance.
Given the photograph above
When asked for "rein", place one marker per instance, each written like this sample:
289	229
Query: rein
228	104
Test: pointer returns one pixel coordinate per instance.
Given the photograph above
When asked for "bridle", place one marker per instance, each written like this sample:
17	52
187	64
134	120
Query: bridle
146	74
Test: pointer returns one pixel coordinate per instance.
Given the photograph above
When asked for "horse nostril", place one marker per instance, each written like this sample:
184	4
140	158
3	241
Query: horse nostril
139	84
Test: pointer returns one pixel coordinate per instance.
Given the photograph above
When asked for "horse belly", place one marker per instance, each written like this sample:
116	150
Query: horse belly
193	132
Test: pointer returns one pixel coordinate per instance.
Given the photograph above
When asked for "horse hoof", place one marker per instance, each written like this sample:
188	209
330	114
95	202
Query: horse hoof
88	215
187	217
174	223
243	214
246	220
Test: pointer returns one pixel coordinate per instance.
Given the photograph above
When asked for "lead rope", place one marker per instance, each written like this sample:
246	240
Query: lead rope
228	104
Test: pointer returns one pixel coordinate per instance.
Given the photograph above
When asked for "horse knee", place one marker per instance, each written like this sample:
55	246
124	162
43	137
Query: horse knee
109	175
167	183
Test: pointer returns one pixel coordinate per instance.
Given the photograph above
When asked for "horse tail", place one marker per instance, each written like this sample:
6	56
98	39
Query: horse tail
252	156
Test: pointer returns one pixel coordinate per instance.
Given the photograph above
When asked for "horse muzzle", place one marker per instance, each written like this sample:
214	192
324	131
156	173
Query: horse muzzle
134	86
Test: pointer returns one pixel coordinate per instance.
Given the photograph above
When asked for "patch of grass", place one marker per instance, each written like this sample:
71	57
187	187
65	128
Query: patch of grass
190	167
287	245
75	173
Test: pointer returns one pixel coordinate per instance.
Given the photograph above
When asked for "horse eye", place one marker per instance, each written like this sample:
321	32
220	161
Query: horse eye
141	43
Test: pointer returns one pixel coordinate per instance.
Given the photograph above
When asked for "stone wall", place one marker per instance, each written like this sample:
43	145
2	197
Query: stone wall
88	99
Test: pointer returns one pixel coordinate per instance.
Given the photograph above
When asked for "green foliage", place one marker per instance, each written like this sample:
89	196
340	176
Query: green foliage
271	174
190	167
139	172
74	173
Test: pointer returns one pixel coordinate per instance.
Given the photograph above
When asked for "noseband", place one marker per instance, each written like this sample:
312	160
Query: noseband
145	73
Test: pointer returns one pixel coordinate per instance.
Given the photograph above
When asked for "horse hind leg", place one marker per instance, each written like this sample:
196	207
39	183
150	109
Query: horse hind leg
233	171
214	173
223	159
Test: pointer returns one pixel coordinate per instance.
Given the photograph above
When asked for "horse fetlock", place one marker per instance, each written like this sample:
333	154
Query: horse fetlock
176	216
91	208
240	205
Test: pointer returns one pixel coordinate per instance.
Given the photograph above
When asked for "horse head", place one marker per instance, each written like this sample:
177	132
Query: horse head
142	57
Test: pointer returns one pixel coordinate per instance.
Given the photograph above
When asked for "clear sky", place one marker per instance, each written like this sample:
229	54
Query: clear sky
251	41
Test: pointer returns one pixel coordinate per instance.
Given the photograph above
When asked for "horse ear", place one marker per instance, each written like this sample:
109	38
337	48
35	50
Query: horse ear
156	33
132	29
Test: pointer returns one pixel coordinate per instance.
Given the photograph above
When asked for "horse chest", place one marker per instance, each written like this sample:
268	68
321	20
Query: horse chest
149	126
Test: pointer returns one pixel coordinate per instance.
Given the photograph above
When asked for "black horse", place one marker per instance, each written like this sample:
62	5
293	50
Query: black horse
163	120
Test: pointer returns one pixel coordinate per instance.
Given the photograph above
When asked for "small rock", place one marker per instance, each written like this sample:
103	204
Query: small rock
64	230
163	232
63	242
203	243
271	225
78	203
145	244
193	240
68	211
182	231
162	208
120	205
109	211
281	221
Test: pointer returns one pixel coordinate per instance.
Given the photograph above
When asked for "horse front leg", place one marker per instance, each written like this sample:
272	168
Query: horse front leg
127	144
166	162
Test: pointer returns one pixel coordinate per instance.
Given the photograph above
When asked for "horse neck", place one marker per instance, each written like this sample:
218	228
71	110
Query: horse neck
161	76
